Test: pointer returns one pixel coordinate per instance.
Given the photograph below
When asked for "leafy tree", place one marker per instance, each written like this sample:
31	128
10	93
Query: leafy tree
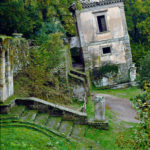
138	19
15	17
27	16
144	72
48	28
38	79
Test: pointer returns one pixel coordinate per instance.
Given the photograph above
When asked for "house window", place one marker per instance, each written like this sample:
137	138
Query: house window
101	23
106	50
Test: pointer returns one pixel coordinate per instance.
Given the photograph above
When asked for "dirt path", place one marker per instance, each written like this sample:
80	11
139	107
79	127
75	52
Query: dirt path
122	107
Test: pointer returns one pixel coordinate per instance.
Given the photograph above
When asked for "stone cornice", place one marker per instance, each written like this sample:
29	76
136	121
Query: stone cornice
87	4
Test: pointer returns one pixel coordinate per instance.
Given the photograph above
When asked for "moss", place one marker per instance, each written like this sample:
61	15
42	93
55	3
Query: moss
98	73
3	37
8	101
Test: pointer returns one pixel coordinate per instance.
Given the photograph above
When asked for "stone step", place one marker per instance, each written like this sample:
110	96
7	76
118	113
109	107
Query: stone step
17	111
54	122
41	118
66	127
29	115
78	130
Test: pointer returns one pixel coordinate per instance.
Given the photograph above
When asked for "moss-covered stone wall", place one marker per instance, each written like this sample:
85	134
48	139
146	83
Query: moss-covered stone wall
11	53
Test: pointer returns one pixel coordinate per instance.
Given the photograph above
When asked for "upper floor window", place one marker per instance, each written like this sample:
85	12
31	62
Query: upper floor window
101	23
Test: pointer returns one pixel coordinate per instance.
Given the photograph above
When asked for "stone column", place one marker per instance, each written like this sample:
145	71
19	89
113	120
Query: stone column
9	74
133	74
99	103
2	74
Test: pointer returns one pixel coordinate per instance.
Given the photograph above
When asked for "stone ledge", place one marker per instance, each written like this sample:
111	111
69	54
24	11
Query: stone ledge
87	4
52	105
99	125
54	110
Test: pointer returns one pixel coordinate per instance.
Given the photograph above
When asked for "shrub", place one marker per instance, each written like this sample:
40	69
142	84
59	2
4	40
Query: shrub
140	138
98	73
144	72
37	78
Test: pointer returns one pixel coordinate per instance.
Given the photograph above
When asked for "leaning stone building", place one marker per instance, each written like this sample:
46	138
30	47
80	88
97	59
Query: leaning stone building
102	40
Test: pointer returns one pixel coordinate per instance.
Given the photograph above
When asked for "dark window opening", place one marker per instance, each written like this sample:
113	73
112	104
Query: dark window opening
101	23
77	59
106	50
6	56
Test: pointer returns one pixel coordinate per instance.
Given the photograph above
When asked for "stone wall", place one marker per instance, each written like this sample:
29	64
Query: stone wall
6	69
12	51
111	79
77	87
52	109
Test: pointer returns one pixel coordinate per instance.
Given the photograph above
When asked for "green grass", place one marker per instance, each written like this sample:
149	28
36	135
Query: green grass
90	108
109	139
76	104
15	138
122	93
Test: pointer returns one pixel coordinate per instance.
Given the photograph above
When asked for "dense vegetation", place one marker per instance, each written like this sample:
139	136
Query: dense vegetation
138	20
40	18
98	73
144	71
47	22
140	138
29	16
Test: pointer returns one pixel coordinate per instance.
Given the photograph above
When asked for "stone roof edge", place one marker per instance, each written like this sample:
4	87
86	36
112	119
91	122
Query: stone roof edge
101	3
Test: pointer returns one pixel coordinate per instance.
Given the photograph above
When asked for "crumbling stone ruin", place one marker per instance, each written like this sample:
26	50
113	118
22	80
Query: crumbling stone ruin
101	52
6	69
12	49
102	46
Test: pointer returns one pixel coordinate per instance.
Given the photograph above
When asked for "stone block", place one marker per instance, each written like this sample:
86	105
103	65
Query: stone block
99	103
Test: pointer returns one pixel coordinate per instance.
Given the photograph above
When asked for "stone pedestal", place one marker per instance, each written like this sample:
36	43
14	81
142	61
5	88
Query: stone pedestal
133	75
99	103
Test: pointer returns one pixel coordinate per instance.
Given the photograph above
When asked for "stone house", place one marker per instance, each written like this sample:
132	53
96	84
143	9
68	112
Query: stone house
102	40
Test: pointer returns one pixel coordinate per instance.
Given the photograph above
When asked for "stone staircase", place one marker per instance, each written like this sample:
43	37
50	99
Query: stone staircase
68	128
56	124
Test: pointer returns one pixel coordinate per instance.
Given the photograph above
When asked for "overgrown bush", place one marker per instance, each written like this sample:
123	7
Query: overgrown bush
98	73
144	72
37	78
140	139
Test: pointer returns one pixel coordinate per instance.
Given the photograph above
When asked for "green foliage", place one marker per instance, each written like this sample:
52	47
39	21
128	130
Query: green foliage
98	73
144	72
36	79
138	20
50	53
28	16
140	139
138	52
47	29
15	17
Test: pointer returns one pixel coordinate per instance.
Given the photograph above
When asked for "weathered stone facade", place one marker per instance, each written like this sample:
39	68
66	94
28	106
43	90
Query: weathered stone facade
12	53
6	69
104	38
